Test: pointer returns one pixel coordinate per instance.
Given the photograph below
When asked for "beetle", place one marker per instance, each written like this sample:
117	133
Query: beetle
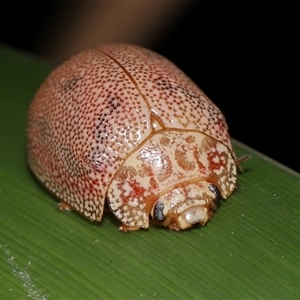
122	124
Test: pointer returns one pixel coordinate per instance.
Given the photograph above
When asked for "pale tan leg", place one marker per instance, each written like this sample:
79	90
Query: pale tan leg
64	206
126	228
173	227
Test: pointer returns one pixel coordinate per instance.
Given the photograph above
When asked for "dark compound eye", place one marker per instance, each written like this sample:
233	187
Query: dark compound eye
159	211
216	191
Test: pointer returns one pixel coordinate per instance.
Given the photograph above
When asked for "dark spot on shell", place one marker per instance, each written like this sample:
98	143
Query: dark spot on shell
70	85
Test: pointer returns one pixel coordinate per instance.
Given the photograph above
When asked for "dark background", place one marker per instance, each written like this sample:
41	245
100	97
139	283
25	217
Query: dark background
242	54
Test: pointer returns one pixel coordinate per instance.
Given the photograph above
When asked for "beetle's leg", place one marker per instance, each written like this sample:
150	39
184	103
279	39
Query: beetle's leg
173	227
126	228
64	206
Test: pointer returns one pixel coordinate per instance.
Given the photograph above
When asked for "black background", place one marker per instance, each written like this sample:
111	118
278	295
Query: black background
242	54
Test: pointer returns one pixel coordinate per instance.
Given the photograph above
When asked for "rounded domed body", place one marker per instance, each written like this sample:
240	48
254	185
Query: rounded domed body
122	124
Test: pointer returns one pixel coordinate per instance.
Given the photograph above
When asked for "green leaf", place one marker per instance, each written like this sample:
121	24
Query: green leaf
250	249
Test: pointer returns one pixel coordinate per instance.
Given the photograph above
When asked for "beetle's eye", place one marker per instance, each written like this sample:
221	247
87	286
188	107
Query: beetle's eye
216	191
159	211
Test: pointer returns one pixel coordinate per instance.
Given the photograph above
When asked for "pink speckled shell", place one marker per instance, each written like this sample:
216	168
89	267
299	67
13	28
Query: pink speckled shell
97	107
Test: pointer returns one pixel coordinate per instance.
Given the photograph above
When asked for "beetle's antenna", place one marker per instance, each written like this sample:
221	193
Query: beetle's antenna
240	159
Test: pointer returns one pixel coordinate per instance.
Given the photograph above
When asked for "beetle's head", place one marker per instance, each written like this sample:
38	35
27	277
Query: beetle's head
186	206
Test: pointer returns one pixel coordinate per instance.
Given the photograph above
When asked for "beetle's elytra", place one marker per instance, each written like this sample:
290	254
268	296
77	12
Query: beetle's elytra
122	124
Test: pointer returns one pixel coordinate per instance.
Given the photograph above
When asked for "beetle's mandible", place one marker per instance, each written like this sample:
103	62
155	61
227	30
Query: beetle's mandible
122	124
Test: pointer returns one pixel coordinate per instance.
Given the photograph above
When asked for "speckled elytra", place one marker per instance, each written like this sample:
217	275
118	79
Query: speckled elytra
122	124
